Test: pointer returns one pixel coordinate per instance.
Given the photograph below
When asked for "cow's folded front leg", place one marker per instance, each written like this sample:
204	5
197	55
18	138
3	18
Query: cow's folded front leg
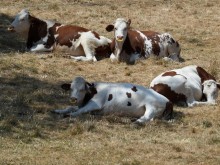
41	48
91	106
83	58
66	110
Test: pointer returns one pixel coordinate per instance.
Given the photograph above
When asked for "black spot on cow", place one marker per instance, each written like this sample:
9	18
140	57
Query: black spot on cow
128	95
134	88
129	103
110	96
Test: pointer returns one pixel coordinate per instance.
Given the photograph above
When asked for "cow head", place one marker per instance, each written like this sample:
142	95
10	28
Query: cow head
210	89
81	91
21	23
120	28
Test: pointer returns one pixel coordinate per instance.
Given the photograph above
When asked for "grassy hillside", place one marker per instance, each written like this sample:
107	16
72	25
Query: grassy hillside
30	88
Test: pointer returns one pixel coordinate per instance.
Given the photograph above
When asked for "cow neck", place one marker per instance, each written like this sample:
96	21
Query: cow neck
90	92
37	30
118	48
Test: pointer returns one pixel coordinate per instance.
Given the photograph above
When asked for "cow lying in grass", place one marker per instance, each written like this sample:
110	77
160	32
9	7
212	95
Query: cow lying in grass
45	36
121	99
188	85
129	44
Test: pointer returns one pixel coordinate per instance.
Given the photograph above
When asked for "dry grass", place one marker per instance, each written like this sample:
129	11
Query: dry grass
29	85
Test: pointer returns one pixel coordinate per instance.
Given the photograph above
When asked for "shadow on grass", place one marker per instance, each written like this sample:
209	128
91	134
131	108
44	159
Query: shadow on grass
26	102
9	42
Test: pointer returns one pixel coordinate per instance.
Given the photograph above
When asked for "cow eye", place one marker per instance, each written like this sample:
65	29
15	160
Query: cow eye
116	29
22	19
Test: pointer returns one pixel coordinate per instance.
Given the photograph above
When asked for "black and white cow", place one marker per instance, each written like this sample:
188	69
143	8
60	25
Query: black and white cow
44	36
129	45
123	99
189	85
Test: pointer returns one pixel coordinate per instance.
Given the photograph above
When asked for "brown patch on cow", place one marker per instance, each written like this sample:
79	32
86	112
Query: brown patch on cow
204	75
68	33
129	103
170	73
37	30
153	36
134	88
166	91
128	95
96	34
102	52
51	39
110	96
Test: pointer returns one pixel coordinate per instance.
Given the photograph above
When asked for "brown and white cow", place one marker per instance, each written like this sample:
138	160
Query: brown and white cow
189	85
129	45
44	36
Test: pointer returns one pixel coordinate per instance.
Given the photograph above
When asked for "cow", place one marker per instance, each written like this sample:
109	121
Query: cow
188	86
129	44
45	36
122	99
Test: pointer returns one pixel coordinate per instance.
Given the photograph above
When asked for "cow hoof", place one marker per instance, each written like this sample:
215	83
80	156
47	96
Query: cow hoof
53	111
138	123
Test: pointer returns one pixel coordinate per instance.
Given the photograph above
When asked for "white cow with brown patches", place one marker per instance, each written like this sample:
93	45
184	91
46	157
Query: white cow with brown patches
189	85
130	44
122	99
46	36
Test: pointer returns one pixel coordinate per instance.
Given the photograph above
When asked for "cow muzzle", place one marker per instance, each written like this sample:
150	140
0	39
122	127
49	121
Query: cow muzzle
119	38
11	29
73	100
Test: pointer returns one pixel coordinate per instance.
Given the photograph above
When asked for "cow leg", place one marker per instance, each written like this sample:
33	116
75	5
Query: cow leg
83	58
91	106
172	57
113	57
195	103
66	110
148	116
173	48
41	48
190	98
88	42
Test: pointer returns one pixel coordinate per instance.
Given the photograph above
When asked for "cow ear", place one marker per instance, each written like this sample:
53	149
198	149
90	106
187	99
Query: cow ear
129	22
66	86
109	28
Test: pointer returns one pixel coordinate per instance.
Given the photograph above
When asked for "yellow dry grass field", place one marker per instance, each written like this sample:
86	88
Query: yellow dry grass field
30	88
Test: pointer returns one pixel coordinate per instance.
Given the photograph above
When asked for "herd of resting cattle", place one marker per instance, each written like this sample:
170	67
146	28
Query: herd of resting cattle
188	86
